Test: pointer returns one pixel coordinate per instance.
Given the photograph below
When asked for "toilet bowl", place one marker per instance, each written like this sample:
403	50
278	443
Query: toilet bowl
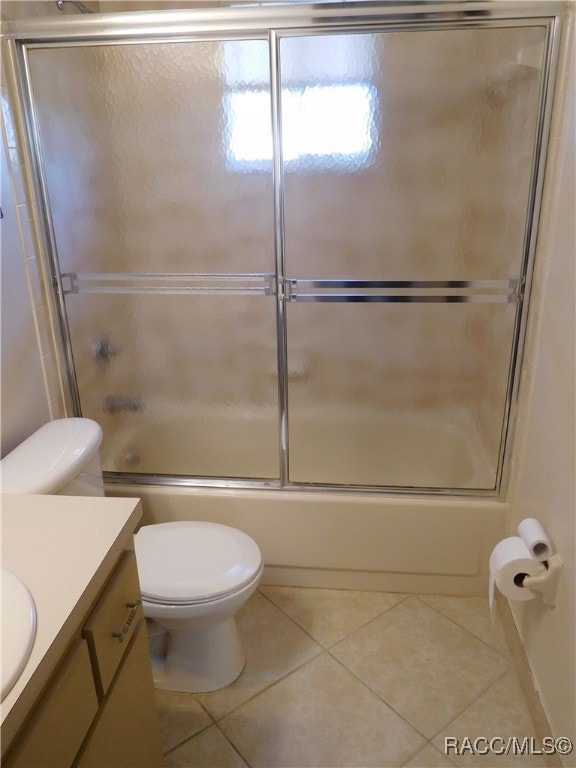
194	576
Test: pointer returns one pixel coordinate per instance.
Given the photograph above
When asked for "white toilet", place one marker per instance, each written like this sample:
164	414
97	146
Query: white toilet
194	576
60	458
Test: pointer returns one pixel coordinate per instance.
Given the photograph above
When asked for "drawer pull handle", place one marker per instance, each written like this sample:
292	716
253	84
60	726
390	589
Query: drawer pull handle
126	628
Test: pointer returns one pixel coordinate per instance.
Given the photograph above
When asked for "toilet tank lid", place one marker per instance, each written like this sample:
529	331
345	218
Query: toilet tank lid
51	457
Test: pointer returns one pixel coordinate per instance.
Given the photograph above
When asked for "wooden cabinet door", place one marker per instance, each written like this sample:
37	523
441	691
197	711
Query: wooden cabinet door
61	719
126	733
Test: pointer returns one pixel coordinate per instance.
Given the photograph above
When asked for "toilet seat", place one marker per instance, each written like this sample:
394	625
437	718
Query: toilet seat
189	562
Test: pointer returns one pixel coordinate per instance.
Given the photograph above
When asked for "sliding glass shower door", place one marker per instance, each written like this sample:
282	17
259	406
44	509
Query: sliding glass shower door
294	254
404	248
166	253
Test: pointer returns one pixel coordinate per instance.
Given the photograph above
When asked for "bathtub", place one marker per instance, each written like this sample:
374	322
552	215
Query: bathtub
356	447
327	538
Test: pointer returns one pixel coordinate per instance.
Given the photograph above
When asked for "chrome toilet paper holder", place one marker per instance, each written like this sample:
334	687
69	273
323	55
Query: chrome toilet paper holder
546	583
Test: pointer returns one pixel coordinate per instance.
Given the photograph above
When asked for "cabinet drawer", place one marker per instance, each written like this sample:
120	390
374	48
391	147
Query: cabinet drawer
61	719
111	624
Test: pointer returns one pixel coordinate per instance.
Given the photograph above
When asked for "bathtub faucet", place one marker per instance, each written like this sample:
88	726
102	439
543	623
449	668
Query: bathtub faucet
102	351
118	404
80	6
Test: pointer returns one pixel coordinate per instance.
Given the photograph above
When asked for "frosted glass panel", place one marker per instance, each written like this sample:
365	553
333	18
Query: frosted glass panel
137	149
406	156
425	169
182	385
399	395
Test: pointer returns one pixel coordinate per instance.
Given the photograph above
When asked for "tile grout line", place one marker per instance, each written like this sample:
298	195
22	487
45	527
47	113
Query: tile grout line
471	704
370	621
189	738
428	744
234	747
283	612
216	721
482	692
428	740
200	732
344	637
382	700
505	654
268	687
327	649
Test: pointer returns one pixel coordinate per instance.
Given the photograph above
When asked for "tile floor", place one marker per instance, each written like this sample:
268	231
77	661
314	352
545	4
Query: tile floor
348	678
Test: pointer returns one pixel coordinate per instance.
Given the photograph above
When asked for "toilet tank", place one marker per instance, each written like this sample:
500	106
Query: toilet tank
61	458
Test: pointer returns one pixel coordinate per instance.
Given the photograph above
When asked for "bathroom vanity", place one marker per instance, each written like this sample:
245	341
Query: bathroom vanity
85	696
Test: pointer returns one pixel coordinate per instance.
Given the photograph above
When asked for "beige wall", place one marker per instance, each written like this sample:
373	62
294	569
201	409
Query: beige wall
545	459
24	405
31	393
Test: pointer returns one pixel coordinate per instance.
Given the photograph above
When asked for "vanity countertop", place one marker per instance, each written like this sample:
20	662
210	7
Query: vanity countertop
63	548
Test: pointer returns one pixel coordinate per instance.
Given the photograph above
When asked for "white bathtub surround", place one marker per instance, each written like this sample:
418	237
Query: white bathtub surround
347	541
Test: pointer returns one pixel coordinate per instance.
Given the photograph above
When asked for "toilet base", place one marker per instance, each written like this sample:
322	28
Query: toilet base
201	660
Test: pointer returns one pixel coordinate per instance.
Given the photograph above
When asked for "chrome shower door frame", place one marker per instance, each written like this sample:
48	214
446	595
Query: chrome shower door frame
274	23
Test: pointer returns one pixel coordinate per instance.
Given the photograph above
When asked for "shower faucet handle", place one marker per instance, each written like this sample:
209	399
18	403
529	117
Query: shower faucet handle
103	350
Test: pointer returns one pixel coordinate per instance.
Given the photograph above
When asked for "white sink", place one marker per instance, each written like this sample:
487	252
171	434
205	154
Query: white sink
18	622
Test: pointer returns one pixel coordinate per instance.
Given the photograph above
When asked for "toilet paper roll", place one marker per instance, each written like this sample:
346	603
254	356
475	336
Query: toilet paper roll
509	563
535	538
